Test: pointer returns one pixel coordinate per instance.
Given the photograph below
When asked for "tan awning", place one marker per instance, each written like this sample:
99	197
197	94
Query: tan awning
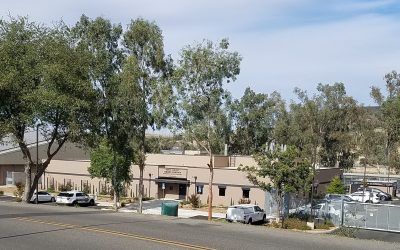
176	181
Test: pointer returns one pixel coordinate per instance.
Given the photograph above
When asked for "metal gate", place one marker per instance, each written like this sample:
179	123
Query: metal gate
384	217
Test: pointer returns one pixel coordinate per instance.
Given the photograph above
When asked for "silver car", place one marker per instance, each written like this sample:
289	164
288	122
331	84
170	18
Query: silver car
42	197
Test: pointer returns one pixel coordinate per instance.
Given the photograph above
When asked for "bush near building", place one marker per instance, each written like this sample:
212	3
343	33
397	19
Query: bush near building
336	186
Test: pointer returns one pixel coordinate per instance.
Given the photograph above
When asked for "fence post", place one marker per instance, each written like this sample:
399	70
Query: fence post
376	218
341	211
366	214
388	217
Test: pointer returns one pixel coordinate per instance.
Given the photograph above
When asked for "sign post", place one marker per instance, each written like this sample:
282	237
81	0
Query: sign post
163	189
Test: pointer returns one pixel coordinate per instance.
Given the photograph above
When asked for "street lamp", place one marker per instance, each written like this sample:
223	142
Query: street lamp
37	163
149	184
195	184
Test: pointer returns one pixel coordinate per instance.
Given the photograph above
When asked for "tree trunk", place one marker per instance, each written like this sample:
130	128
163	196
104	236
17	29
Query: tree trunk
28	182
115	199
279	203
115	185
140	209
210	191
142	159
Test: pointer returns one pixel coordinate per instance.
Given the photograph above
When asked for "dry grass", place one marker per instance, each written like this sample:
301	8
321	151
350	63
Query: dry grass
8	190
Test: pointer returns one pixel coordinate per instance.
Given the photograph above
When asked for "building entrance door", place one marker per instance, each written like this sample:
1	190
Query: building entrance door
182	191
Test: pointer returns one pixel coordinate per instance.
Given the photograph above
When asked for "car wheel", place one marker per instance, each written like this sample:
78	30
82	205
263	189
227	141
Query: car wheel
382	198
91	203
250	221
53	199
264	219
74	203
34	201
368	201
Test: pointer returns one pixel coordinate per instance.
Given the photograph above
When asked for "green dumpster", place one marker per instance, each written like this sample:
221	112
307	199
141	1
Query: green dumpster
170	209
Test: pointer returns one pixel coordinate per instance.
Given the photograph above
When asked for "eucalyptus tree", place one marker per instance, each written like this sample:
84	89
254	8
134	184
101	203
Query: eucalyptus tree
44	79
389	117
283	171
342	117
101	39
201	73
254	119
153	96
325	125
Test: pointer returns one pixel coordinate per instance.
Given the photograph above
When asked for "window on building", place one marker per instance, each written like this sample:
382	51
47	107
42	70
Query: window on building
222	191
199	189
246	193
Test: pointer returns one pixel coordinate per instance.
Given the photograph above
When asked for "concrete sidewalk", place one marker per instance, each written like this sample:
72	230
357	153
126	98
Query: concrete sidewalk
154	207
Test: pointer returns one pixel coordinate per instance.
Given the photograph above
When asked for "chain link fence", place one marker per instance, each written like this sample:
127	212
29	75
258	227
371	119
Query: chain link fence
383	217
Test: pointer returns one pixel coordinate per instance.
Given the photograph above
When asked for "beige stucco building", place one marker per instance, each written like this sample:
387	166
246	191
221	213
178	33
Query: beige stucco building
169	176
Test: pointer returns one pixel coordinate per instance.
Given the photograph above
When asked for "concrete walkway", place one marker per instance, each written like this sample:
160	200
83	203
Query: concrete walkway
154	207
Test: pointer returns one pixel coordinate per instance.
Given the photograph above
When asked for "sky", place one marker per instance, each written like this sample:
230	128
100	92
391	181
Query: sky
284	43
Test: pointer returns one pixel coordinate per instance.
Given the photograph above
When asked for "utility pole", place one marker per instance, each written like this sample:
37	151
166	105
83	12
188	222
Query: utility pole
37	163
149	184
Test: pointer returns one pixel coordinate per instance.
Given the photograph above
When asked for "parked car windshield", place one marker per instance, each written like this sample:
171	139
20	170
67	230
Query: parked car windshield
65	194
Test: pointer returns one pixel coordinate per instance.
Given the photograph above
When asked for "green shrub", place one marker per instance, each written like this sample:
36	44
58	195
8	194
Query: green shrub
20	189
301	216
244	201
194	200
147	198
86	188
18	199
336	186
185	202
292	223
1	192
322	226
66	187
51	188
275	224
329	223
349	232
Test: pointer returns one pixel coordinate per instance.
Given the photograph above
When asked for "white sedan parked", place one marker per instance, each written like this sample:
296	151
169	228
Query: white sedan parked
43	197
367	197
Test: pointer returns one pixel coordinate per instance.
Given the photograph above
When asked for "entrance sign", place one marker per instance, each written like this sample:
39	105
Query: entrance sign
172	173
163	185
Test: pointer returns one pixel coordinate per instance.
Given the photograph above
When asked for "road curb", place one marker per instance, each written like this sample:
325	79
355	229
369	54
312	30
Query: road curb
320	231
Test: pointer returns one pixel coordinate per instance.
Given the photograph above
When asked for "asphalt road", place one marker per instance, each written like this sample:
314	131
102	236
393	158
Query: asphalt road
29	226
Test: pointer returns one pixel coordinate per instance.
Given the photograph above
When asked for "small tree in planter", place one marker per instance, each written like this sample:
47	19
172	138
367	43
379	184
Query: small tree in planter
194	200
287	171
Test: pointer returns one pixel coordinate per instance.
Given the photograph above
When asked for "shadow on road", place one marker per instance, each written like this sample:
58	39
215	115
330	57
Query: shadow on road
11	216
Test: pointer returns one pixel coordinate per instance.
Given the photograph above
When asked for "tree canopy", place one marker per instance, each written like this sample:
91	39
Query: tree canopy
44	83
202	99
283	171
